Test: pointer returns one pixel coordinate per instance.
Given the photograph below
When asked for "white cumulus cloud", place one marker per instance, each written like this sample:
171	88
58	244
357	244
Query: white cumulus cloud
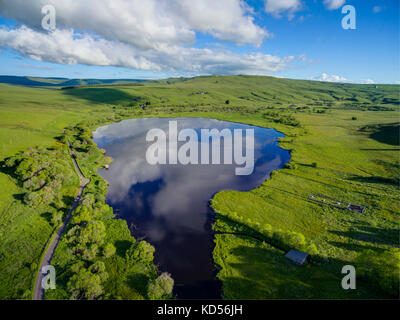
146	24
367	81
68	47
156	35
277	7
330	78
336	78
334	4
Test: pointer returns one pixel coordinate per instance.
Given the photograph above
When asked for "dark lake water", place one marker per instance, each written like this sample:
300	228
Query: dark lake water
167	204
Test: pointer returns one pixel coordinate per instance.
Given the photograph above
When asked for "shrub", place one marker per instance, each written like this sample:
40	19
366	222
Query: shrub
290	165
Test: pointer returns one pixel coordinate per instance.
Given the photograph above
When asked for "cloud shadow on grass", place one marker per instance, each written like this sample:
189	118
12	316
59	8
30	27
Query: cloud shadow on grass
102	95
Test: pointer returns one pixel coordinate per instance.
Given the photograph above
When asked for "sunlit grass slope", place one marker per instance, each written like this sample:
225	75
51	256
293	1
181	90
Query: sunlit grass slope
344	144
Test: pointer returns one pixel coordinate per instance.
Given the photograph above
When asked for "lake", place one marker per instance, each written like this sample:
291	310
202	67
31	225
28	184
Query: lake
168	204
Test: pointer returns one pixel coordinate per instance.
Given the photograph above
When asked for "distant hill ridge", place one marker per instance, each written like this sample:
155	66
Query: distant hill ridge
62	82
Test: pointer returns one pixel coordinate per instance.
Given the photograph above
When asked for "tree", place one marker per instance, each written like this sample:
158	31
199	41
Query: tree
161	287
93	232
85	285
48	195
88	200
56	217
99	268
140	252
227	102
89	253
108	250
32	199
83	214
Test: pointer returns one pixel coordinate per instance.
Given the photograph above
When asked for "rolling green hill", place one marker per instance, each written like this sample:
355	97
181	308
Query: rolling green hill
344	141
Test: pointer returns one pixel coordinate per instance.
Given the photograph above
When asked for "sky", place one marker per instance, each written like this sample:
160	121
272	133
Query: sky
152	39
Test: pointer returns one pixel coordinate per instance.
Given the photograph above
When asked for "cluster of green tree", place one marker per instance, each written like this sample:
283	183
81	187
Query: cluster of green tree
381	268
366	107
41	172
288	120
289	240
88	243
285	119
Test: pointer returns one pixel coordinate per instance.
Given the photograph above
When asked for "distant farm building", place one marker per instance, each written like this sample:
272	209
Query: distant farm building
336	203
356	208
297	257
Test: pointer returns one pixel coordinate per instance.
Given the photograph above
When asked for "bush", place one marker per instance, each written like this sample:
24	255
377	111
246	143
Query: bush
160	288
290	165
314	165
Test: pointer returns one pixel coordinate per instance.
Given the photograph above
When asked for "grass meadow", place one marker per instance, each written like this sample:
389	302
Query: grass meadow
344	142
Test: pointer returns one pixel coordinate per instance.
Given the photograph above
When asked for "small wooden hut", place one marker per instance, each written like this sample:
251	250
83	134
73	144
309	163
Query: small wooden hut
297	257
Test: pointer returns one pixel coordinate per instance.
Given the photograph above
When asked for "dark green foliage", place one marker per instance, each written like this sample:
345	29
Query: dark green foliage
290	165
93	232
382	268
141	251
85	285
161	287
108	250
32	199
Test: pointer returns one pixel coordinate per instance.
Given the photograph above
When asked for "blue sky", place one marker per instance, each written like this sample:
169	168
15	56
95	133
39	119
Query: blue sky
287	38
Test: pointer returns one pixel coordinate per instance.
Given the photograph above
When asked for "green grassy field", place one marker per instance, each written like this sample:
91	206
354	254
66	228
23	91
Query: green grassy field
344	141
